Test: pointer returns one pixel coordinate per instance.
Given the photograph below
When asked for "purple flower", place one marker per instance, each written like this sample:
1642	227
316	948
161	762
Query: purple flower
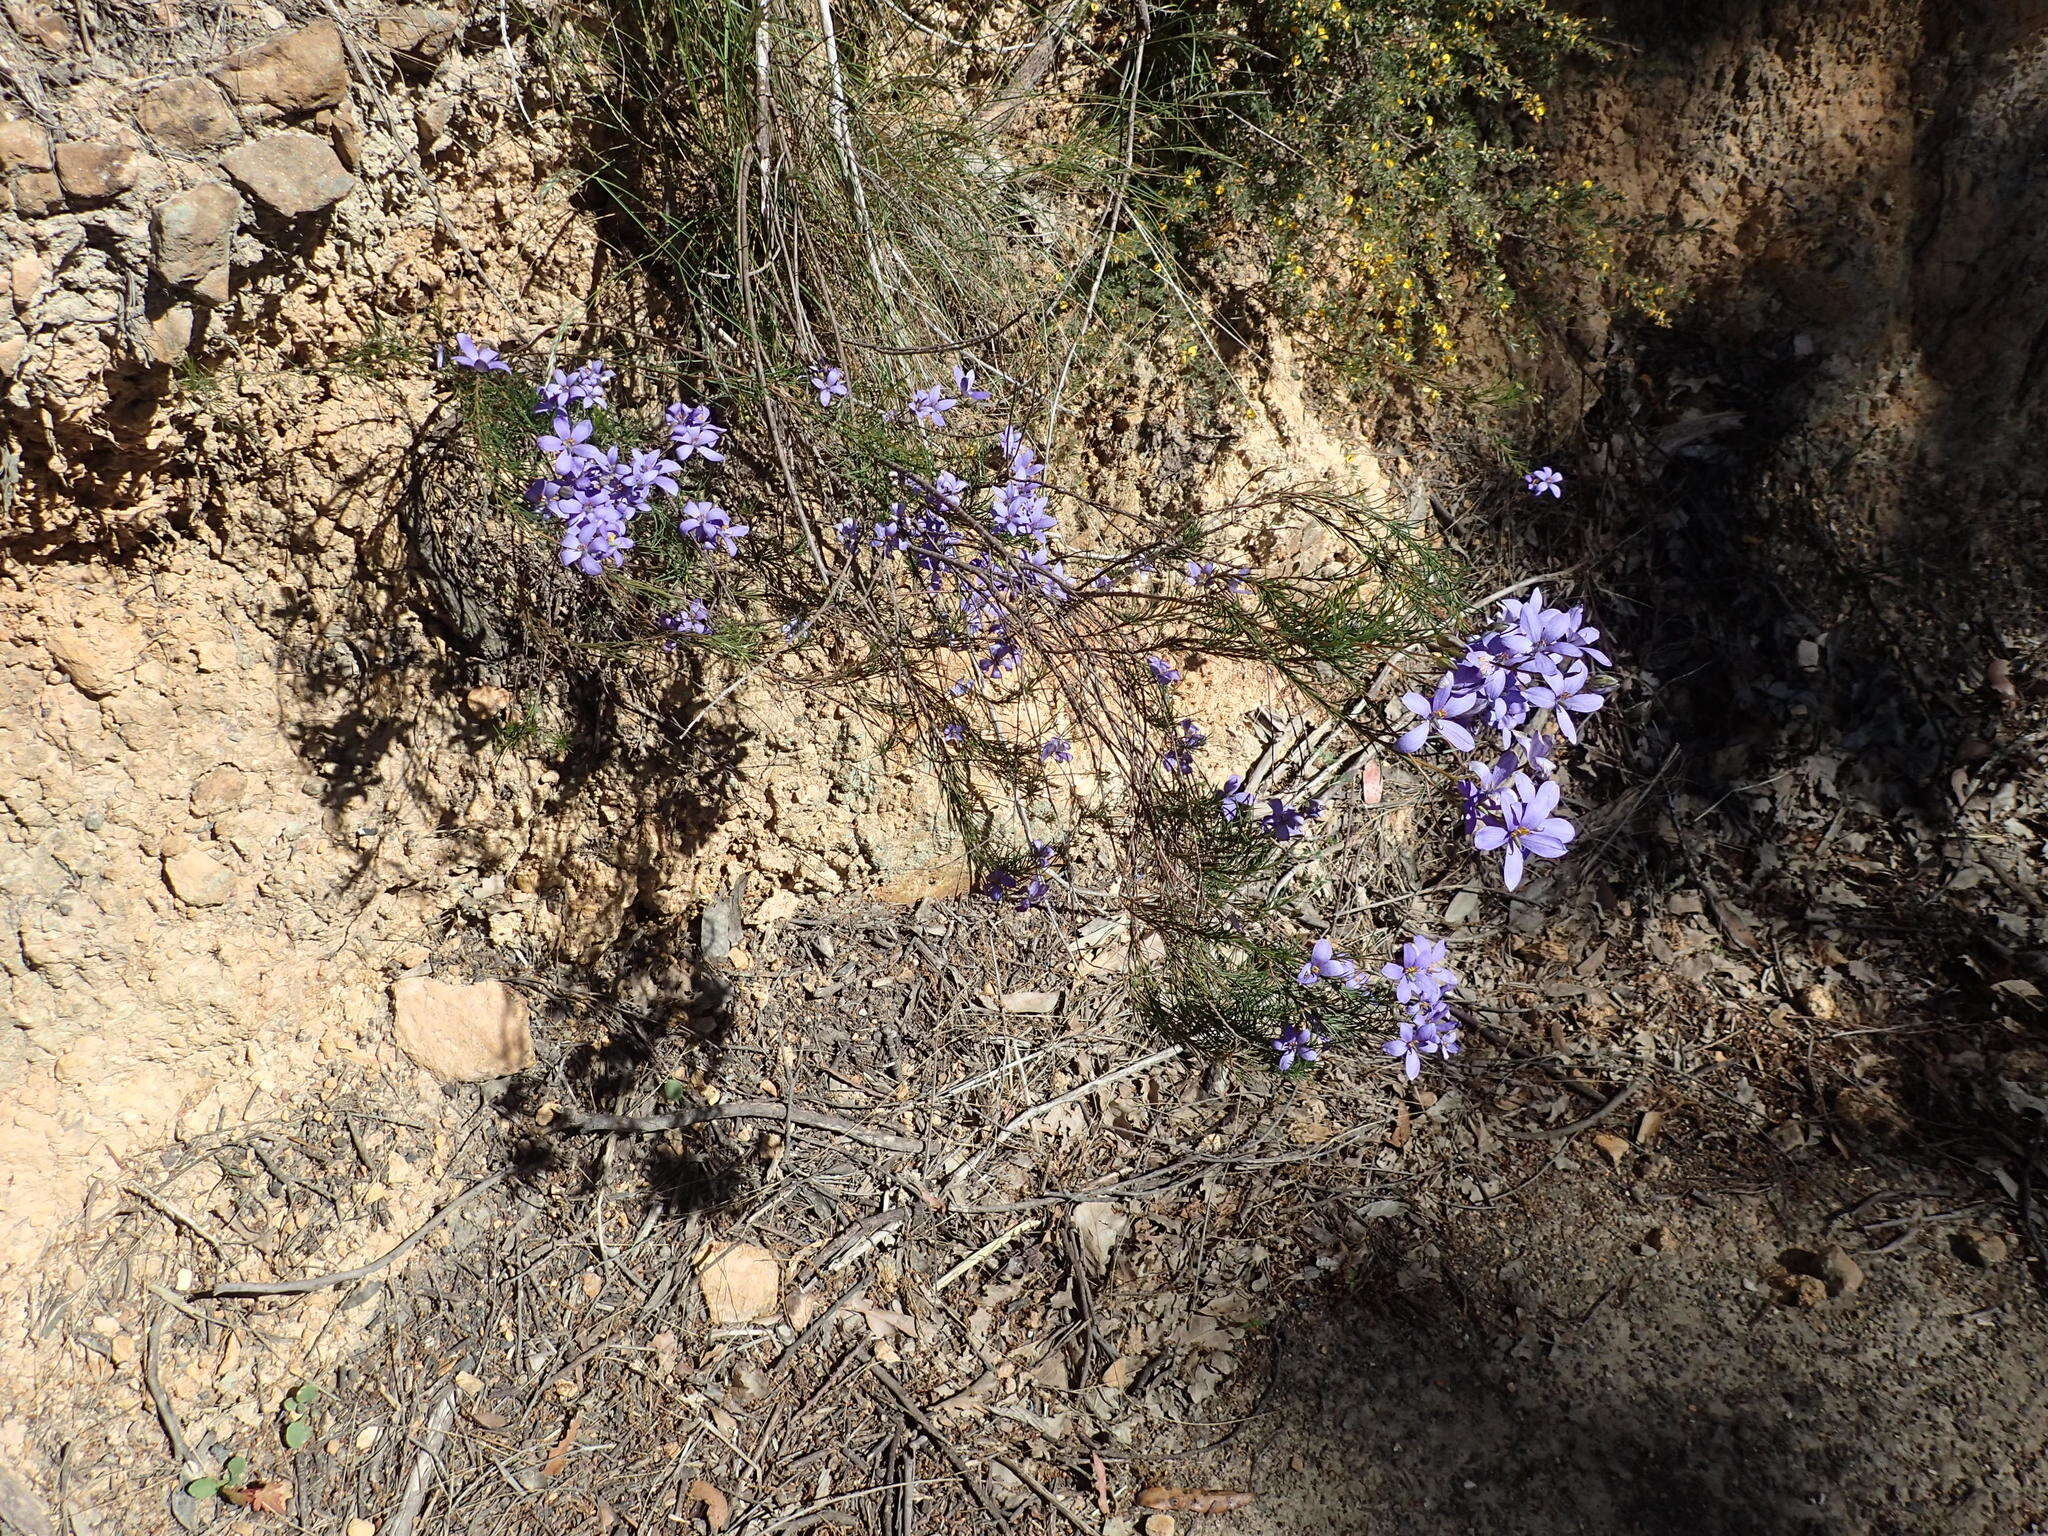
953	730
930	404
1282	821
710	526
566	446
1002	657
1421	973
1420	1037
1056	749
1181	758
1020	512
1439	714
1566	695
1523	824
1232	798
963	380
469	353
830	383
1542	482
1297	1042
691	430
566	389
694	618
650	470
1324	963
1164	672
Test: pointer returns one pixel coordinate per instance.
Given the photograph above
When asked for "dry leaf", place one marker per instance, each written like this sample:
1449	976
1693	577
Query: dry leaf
742	1283
558	1458
1031	1002
593	1284
269	1498
1194	1501
1099	1225
717	1507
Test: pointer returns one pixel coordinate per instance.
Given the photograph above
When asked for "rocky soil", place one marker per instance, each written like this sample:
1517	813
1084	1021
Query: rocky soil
310	922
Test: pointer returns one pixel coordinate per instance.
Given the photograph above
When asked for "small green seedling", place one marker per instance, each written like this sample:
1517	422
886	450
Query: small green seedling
233	1479
297	1431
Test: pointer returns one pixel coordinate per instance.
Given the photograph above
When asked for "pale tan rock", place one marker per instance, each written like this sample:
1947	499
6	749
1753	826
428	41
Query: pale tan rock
417	35
96	173
199	879
37	194
290	173
219	789
24	146
741	1283
189	115
487	701
99	658
464	1032
302	71
194	232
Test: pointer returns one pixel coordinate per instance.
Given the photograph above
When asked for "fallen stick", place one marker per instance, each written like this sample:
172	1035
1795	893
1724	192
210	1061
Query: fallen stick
361	1271
953	1458
420	1478
1561	1132
732	1109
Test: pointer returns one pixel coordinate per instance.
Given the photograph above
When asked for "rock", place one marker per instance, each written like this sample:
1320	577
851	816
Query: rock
465	1033
1838	1272
1661	1240
198	878
417	35
1031	1002
23	146
170	333
41	21
741	1283
189	115
1160	1524
1615	1147
302	71
193	234
1982	1249
96	173
487	701
37	194
98	660
219	789
290	173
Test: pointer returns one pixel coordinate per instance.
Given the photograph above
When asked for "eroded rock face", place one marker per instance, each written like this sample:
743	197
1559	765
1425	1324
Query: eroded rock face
292	174
464	1033
302	71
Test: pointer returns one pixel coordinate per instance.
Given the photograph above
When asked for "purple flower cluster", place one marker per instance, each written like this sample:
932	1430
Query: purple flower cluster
1006	885
1180	758
595	492
1423	984
1283	822
694	618
830	383
1530	674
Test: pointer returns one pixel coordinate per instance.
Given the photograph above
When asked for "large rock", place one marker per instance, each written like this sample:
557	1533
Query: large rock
194	233
290	173
189	115
96	173
466	1033
302	71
